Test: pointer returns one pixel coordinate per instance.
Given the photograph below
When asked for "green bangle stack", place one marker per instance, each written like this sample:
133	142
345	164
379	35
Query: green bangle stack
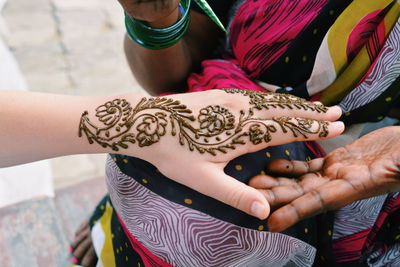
155	38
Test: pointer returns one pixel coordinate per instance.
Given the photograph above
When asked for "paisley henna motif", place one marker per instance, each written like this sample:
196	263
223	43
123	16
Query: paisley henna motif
214	129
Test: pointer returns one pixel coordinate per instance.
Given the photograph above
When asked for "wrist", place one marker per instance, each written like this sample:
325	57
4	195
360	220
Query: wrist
159	38
104	125
167	21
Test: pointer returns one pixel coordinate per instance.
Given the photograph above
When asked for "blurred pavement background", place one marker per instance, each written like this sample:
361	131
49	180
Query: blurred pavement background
56	46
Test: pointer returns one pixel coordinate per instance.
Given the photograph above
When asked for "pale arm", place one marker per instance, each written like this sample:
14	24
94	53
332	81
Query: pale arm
188	141
35	126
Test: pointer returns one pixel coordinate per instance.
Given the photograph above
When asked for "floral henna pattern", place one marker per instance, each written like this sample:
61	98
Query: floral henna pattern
214	129
215	119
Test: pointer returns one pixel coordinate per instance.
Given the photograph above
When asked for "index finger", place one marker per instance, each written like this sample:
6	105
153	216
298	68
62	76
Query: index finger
286	105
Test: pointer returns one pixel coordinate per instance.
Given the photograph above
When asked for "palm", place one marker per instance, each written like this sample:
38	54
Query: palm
367	167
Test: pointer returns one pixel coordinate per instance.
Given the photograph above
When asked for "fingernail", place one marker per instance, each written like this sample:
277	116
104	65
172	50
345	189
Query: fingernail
338	125
70	249
258	210
74	260
337	109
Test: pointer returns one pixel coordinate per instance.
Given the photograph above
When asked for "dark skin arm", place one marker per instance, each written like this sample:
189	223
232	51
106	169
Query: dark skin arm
166	70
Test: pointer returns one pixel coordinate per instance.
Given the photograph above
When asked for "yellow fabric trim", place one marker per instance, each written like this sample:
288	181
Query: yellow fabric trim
347	80
107	253
340	31
354	72
392	17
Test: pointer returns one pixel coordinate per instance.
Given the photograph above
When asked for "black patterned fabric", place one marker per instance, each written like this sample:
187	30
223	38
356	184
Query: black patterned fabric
220	7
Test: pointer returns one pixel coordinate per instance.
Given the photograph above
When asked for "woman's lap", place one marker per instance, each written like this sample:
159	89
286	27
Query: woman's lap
176	223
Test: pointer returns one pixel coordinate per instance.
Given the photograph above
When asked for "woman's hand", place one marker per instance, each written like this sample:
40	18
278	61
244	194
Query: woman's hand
191	137
159	13
368	167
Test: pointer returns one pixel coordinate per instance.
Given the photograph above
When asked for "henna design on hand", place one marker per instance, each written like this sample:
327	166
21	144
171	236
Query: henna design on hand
269	100
214	129
301	126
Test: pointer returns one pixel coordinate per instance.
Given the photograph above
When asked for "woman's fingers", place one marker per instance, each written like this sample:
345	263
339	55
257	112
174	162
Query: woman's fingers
314	111
90	258
268	105
287	189
83	226
81	250
332	195
294	168
263	181
80	237
283	130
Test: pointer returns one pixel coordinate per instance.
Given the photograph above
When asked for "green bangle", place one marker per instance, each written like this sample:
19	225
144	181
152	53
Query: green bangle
159	38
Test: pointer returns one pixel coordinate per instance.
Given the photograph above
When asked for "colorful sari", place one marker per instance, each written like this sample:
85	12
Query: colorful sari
338	52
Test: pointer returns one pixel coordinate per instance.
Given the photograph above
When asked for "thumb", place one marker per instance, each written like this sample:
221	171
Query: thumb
234	193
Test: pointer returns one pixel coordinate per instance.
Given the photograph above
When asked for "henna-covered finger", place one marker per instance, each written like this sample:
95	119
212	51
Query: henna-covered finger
331	113
277	105
285	130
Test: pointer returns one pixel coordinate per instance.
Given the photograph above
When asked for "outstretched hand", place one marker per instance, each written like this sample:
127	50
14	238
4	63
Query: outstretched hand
190	138
368	167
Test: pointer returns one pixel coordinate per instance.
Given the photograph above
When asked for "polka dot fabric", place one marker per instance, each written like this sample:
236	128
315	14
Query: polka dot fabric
276	42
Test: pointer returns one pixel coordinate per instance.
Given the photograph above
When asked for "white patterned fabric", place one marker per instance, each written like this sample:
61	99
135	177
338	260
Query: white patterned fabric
390	258
384	73
357	216
185	237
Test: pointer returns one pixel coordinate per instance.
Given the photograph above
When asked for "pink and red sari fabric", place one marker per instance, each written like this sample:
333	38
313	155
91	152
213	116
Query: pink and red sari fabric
259	33
290	46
